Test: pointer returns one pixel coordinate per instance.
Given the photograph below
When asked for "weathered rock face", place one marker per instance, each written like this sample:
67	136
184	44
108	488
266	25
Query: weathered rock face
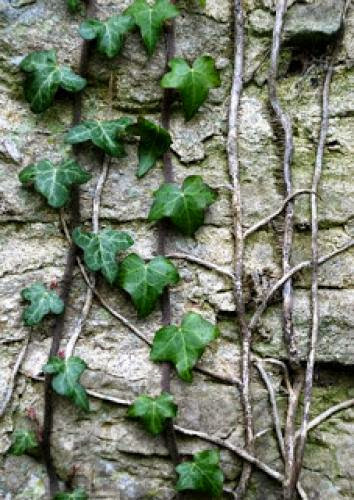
116	458
317	22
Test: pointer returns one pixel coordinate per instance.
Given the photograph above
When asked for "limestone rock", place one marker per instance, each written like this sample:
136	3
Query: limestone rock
314	24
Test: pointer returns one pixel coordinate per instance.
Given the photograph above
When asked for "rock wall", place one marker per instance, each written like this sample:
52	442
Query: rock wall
116	458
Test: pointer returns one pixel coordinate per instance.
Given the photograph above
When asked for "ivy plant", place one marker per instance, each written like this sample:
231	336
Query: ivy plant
153	412
183	345
203	473
109	34
150	19
185	206
44	77
192	82
43	302
106	135
154	142
100	250
66	379
54	181
145	282
78	494
23	441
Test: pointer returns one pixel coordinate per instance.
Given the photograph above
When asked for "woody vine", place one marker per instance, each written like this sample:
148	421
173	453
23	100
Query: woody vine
182	208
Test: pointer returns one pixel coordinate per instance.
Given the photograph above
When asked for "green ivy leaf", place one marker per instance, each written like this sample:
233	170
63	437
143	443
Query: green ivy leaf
78	494
203	473
42	301
54	181
66	378
150	19
154	411
183	345
105	135
100	250
193	82
145	282
154	142
23	441
44	77
184	206
110	34
74	5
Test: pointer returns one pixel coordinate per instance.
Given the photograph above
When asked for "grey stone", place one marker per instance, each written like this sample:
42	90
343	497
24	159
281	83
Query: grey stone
21	3
315	23
261	22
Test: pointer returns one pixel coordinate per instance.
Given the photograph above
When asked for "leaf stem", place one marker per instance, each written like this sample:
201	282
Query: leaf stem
11	385
299	267
286	125
237	214
277	212
58	327
310	365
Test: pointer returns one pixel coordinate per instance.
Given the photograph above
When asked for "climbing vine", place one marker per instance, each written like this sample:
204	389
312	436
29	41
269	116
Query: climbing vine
147	282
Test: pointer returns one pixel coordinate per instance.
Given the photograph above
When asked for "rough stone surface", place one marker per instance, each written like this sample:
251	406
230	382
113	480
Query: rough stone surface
317	22
116	458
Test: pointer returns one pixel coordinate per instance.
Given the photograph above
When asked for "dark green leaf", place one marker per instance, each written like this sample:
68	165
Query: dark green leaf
154	142
153	411
150	19
184	345
23	441
66	380
54	181
45	76
193	82
110	34
74	5
106	135
43	302
101	250
145	282
201	474
184	206
78	494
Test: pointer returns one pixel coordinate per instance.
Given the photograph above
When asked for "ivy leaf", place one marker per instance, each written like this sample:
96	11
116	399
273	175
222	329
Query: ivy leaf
78	494
145	282
23	441
54	181
74	5
193	82
105	135
42	301
203	473
184	206
66	378
154	142
100	250
183	345
150	19
110	34
154	411
44	77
